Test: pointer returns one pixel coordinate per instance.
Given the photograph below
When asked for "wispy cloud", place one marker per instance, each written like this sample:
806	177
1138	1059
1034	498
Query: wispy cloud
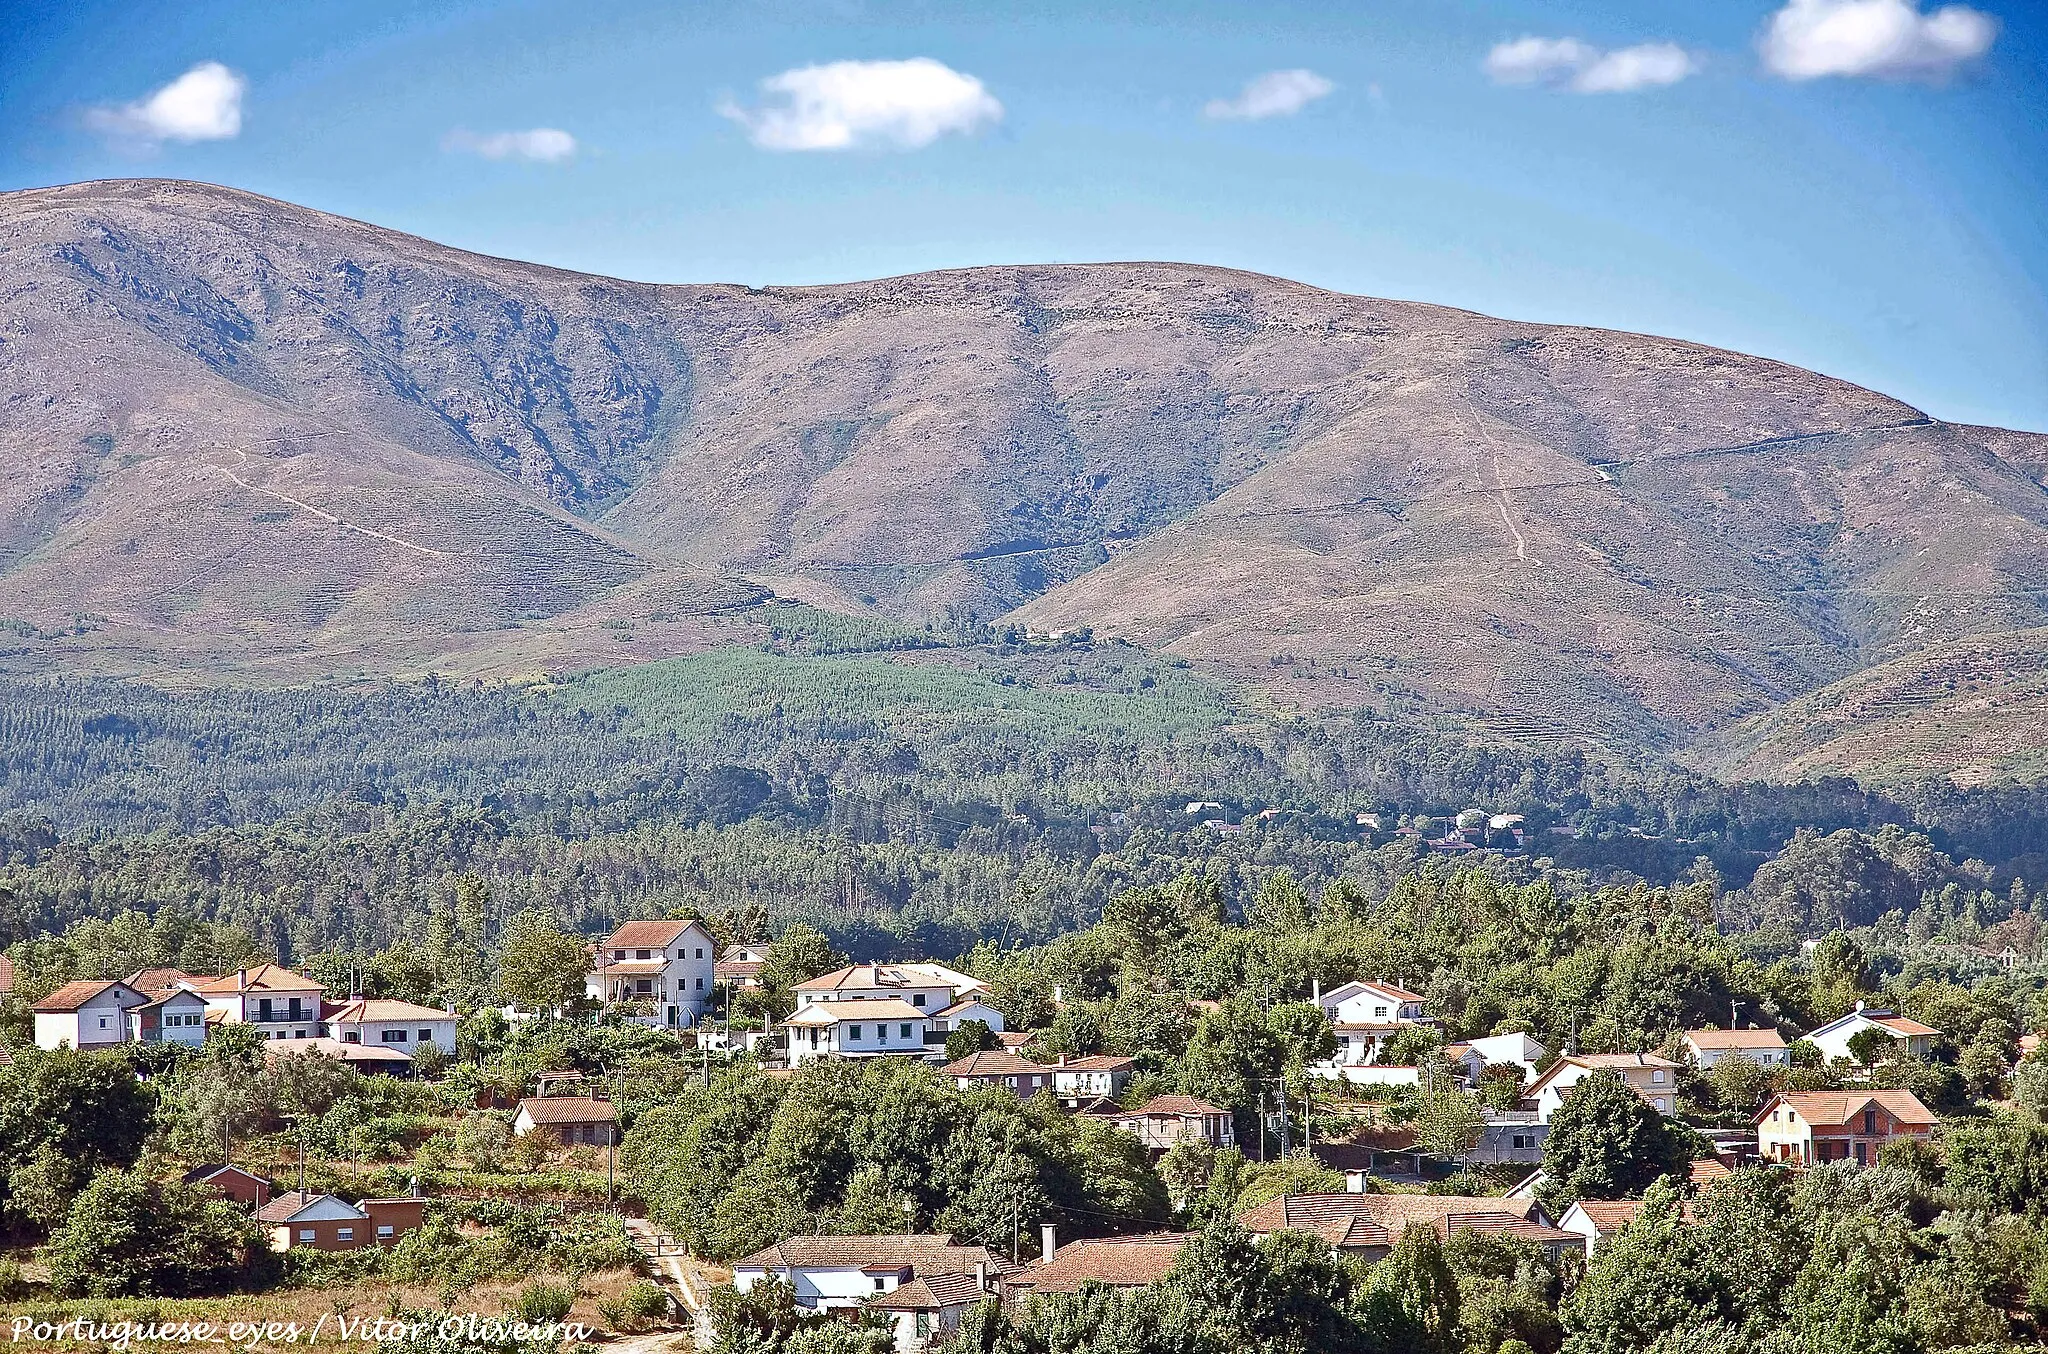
547	145
1276	94
203	104
847	104
1809	39
1580	66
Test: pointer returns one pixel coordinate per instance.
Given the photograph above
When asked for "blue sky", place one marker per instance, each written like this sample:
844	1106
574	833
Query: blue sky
1853	185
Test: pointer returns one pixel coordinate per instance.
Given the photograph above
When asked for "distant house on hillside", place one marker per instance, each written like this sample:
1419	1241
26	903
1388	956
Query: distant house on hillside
841	1273
323	1222
1764	1047
1365	1015
1096	1077
1003	1071
572	1119
1111	1261
85	1015
1164	1121
1369	1225
1910	1036
1653	1078
403	1026
244	1187
657	972
1808	1128
281	1004
930	989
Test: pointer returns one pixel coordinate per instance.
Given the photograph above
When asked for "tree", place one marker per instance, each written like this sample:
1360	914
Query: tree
1872	1046
1647	1280
541	966
798	955
1605	1142
82	1111
970	1037
127	1235
1740	1083
1447	1120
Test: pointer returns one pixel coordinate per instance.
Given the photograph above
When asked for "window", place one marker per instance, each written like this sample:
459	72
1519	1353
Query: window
878	1283
426	1036
351	1037
296	1034
853	1032
917	1000
682	983
103	1022
700	984
1657	1075
924	1325
700	952
394	1036
344	1234
640	954
906	1031
1380	1011
383	1230
1870	1121
305	1234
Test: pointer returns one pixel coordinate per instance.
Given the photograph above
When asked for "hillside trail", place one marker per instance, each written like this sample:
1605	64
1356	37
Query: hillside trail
322	513
678	1278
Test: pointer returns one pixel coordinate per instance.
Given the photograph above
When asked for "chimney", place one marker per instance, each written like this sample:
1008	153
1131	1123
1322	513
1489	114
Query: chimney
1859	1004
1063	1060
1316	990
981	1275
1048	1245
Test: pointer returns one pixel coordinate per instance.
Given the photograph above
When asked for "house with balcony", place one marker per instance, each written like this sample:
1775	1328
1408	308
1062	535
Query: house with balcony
656	973
932	989
1365	1015
281	1004
1096	1077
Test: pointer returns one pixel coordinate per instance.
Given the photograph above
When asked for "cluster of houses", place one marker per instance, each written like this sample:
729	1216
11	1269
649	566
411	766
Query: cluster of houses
302	1220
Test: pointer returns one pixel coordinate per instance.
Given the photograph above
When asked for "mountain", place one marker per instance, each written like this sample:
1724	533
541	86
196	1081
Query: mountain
242	440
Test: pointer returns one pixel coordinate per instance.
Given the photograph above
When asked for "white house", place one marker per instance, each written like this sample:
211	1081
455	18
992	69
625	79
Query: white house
1763	1047
1653	1078
174	1017
1599	1219
280	1003
837	1272
87	1015
1366	1014
1097	1077
865	1028
660	972
1498	1050
970	1007
1832	1039
930	988
385	1023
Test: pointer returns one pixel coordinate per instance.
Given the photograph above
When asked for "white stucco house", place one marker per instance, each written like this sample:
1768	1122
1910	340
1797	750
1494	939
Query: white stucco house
658	972
930	988
1474	1056
1653	1078
1763	1047
1366	1014
384	1023
866	1028
85	1015
281	1004
1912	1037
841	1272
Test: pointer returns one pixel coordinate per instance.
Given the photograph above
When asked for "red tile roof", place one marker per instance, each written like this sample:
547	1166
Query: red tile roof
1736	1038
925	1254
1118	1261
74	996
1173	1107
1835	1109
262	978
569	1109
995	1063
647	935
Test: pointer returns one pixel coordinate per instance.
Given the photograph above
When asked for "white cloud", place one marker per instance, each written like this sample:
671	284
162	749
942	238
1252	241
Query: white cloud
1808	39
1582	67
845	104
203	104
549	145
1272	95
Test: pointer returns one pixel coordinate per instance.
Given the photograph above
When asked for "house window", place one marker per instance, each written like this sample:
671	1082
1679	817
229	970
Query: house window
305	1234
682	984
700	984
853	1032
906	1031
640	954
344	1234
924	1325
103	1022
917	1000
297	1034
881	1034
351	1037
1657	1075
878	1283
426	1035
700	953
1870	1121
394	1036
1380	1012
383	1230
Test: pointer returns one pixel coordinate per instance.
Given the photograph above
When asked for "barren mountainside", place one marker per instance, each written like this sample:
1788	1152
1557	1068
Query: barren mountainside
245	440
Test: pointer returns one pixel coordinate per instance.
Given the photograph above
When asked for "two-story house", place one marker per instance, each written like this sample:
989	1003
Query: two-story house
1764	1047
88	1014
929	988
658	972
174	1013
281	1004
1807	1128
863	1028
1909	1036
835	1273
1164	1121
1366	1014
1653	1078
402	1026
1096	1077
1003	1071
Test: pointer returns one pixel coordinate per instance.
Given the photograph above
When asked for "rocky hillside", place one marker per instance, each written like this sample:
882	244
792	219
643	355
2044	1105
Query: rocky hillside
244	439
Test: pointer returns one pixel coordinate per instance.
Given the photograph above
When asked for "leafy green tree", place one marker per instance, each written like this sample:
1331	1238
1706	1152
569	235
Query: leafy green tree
1873	1046
86	1111
1646	1280
1302	1031
1411	1299
1447	1119
970	1037
1739	1083
798	955
541	965
1605	1142
127	1235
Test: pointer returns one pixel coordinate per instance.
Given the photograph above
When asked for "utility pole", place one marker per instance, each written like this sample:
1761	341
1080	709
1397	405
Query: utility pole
1286	1125
1262	1122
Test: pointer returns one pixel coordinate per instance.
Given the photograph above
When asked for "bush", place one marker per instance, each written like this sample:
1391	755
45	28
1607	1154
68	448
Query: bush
542	1302
130	1236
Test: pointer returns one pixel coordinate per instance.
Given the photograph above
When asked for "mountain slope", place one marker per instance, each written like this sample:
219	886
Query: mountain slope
243	437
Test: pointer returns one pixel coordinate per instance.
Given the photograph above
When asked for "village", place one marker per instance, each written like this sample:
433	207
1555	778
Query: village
1377	1126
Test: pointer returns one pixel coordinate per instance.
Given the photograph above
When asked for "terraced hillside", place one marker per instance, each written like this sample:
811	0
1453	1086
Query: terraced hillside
244	439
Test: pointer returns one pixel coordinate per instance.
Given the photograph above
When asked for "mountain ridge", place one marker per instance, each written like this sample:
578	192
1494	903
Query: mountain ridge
310	445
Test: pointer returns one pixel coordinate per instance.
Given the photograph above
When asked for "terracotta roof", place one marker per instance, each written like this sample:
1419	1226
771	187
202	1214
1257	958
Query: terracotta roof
1097	1062
646	935
1736	1038
281	1207
874	1008
1706	1170
1118	1261
1609	1216
925	1254
738	968
1834	1109
73	996
1373	1219
157	981
994	1063
1616	1061
1901	1025
171	995
262	978
868	975
971	999
386	1008
930	1293
569	1109
1172	1106
1499	1222
335	1048
1015	1039
631	968
1398	993
201	1174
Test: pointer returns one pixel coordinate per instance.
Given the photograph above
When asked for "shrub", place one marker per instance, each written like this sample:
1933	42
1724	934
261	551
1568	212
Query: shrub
542	1302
